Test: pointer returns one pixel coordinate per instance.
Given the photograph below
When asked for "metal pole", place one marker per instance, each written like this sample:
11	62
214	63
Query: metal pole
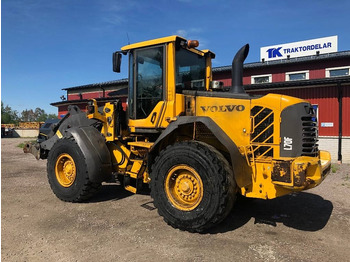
340	103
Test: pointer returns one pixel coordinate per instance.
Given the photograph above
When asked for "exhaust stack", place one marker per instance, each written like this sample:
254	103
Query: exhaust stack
237	70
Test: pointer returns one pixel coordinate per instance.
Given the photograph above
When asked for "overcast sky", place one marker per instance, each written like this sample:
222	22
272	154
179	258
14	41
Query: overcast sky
47	45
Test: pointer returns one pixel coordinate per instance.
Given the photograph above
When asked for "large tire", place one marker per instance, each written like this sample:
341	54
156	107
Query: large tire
192	186
67	172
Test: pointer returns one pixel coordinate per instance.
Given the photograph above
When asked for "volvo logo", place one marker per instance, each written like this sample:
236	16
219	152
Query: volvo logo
224	108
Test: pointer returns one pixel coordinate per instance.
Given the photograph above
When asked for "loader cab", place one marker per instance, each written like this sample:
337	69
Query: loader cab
159	71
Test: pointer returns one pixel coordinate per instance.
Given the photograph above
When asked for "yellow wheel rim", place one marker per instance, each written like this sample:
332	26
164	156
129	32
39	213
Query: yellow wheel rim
184	187
65	170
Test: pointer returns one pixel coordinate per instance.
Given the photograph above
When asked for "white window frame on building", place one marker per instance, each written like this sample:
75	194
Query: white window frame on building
268	76
328	71
305	73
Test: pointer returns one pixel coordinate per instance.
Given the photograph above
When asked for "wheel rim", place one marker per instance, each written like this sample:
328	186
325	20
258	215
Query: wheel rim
184	187
65	170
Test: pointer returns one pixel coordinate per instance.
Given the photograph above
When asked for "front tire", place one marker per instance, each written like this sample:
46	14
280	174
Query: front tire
192	186
67	172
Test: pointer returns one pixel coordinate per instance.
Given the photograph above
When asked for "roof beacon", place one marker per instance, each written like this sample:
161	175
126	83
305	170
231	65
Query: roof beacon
192	43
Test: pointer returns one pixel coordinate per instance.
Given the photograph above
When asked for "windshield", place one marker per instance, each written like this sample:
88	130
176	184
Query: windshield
190	71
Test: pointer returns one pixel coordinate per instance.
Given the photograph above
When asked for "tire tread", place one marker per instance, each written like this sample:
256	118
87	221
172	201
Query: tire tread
225	179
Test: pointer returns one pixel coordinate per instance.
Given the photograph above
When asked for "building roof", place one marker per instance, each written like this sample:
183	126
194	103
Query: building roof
294	60
84	101
118	82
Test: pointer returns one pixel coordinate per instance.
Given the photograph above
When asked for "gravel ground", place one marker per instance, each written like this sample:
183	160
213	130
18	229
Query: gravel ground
118	226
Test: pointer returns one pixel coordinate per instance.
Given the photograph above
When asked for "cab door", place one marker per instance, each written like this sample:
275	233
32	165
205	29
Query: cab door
146	87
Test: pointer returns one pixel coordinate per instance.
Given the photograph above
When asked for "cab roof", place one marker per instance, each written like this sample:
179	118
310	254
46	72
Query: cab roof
157	41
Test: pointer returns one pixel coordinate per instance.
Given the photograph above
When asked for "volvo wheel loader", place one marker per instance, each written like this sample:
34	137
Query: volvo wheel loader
194	142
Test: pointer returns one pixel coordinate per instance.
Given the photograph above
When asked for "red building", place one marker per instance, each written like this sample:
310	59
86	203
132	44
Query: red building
102	92
322	79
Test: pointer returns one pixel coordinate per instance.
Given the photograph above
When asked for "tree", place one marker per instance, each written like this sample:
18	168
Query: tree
38	115
27	115
8	116
52	116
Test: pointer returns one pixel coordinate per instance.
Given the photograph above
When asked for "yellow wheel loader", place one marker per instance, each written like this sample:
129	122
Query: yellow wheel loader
194	142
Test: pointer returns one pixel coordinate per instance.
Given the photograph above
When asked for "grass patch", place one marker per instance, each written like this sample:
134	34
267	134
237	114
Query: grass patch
334	168
21	145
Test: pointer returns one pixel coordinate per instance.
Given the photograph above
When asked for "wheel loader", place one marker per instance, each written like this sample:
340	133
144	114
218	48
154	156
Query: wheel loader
195	143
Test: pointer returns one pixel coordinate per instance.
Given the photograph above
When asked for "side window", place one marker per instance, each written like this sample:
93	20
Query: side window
190	71
149	79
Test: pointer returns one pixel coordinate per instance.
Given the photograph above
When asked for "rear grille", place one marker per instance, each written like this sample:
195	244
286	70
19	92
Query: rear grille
298	131
309	139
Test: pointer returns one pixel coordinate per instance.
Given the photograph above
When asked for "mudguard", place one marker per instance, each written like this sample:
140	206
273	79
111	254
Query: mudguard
94	148
242	171
74	118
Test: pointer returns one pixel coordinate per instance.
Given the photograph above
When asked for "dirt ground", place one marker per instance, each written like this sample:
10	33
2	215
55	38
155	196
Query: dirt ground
118	226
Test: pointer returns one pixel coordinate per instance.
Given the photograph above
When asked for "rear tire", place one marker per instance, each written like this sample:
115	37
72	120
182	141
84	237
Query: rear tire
192	186
67	172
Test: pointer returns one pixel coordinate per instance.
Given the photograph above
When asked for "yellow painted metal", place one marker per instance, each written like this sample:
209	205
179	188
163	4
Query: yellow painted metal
180	104
136	167
108	127
65	170
59	134
107	119
184	187
131	189
227	113
96	114
147	122
141	144
120	156
305	173
325	159
196	51
262	186
315	169
157	41
208	73
170	96
146	178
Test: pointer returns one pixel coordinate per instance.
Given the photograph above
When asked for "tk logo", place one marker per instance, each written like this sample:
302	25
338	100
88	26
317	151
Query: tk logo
274	52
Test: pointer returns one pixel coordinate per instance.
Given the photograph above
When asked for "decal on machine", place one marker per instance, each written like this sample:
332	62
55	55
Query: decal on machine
287	143
224	108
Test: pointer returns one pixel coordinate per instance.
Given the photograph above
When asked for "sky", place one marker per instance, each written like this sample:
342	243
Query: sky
47	45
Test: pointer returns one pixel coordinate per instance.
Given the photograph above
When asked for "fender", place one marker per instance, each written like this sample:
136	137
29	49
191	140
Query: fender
94	148
74	118
241	170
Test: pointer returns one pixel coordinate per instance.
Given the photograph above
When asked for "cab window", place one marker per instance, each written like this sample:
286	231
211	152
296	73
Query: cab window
149	78
190	70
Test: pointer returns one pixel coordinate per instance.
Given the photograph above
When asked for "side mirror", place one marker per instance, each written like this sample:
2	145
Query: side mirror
117	61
